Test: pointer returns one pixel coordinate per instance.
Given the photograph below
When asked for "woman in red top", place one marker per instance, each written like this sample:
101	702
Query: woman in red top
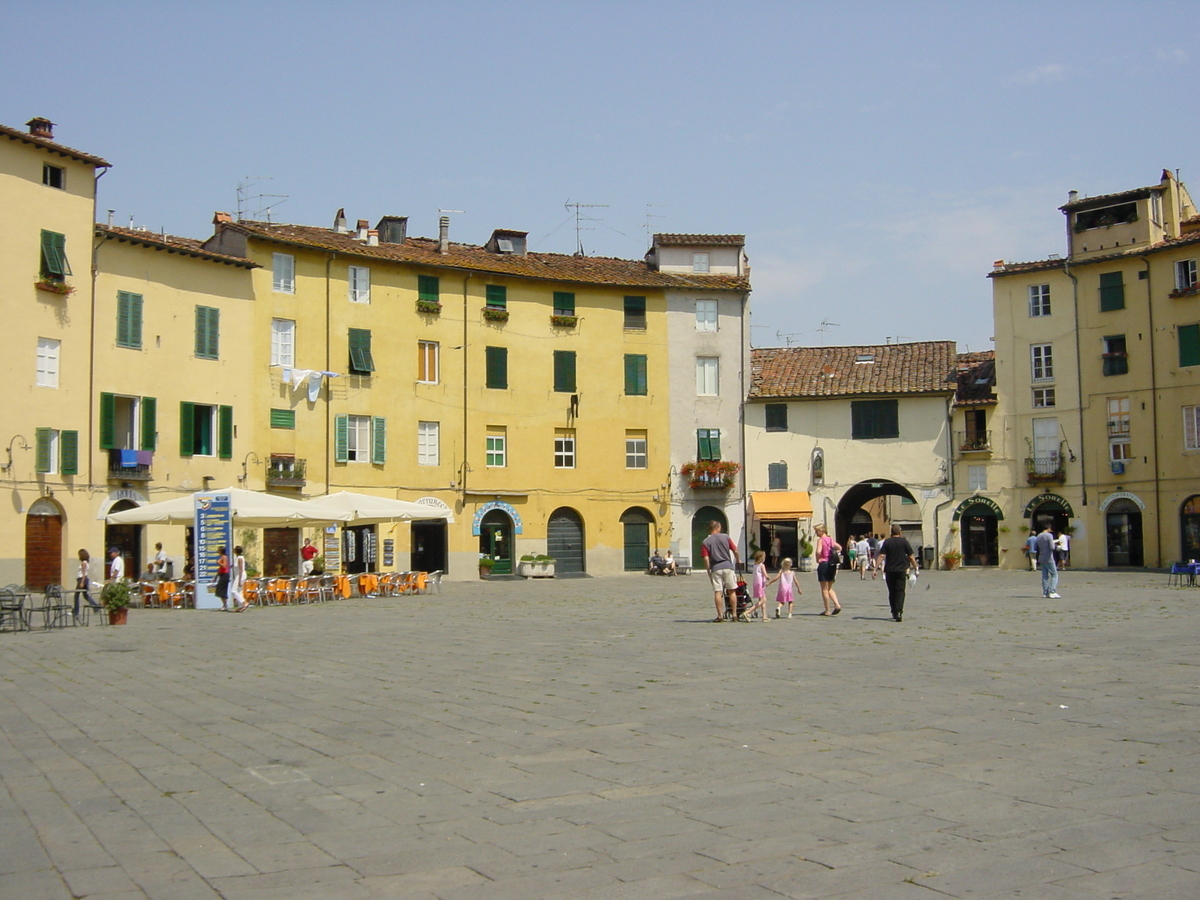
223	578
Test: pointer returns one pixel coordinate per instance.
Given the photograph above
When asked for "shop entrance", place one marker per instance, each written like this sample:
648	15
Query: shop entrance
496	540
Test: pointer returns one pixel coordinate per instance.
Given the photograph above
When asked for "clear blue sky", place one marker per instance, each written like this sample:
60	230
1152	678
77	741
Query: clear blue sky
877	156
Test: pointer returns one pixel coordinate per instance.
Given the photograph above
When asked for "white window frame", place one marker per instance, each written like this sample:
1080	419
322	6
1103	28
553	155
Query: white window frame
636	456
1041	362
428	443
977	478
496	450
564	450
283	273
358	439
1185	274
359	280
701	262
1039	300
1044	398
428	362
48	353
706	315
708	376
1191	428
283	342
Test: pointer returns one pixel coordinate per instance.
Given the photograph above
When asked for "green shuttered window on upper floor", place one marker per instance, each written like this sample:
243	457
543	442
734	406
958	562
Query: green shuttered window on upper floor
496	372
138	422
208	332
497	296
361	360
204	426
1189	345
54	265
564	371
129	320
635	374
1112	291
429	289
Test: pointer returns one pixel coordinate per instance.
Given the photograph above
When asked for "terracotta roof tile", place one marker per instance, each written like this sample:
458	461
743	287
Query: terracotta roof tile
172	244
53	147
545	266
976	379
681	240
917	368
1134	250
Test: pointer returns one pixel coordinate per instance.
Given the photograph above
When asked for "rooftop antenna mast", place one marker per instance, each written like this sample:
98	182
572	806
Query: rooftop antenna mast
788	338
244	197
825	326
649	216
580	217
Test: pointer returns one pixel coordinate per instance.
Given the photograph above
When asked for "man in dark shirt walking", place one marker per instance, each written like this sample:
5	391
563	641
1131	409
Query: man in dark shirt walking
897	556
720	558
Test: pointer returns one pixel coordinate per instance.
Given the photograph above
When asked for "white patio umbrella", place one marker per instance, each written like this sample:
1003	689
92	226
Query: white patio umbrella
248	508
365	509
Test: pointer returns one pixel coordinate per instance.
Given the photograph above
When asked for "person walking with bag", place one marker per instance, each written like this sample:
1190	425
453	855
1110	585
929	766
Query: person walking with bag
898	559
828	560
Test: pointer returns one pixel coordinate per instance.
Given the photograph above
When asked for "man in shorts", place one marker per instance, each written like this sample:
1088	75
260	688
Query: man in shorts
720	561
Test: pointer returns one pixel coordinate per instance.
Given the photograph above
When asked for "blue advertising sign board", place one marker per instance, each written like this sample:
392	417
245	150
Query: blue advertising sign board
213	530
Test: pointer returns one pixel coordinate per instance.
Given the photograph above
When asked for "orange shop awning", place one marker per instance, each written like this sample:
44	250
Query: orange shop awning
776	506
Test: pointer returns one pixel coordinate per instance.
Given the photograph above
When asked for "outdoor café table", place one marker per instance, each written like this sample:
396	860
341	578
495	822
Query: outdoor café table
279	590
368	584
342	586
12	608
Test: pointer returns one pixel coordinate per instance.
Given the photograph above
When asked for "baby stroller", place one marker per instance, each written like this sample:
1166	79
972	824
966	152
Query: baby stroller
742	598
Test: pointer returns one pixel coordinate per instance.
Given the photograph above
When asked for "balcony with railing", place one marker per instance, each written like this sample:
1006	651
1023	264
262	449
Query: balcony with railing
974	441
285	472
1048	469
130	465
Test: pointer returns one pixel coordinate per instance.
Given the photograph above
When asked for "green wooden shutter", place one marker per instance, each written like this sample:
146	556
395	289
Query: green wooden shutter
54	255
42	458
564	303
149	423
283	418
208	321
497	367
68	453
225	437
635	374
428	288
1189	345
378	440
341	439
187	428
564	371
361	361
108	421
497	296
1112	291
129	320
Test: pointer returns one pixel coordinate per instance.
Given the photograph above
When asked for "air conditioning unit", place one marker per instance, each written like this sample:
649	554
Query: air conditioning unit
1118	468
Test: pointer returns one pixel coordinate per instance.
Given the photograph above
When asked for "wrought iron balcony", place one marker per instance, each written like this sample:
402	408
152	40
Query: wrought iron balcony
974	441
285	471
130	465
1045	469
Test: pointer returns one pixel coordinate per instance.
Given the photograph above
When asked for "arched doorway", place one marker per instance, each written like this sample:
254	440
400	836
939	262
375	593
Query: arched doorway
1189	528
496	540
43	544
636	523
1050	506
851	510
127	539
1123	533
564	541
428	546
979	530
700	525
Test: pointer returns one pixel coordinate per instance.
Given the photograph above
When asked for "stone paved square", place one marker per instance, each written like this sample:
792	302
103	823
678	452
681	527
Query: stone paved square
600	738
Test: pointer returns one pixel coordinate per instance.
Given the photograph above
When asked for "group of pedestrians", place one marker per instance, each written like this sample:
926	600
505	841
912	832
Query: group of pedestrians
721	558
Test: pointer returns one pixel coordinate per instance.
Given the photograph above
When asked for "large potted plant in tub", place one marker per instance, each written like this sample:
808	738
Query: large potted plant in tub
115	597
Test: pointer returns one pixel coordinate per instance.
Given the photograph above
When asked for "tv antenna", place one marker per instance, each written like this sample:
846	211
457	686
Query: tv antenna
580	218
788	338
825	326
649	216
244	198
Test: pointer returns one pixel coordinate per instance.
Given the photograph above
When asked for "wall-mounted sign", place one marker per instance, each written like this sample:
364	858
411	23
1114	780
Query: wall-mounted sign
979	506
1048	499
1121	495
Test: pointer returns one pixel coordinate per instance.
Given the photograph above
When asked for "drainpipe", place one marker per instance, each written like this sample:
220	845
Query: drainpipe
1078	382
466	443
1158	522
745	302
91	416
328	368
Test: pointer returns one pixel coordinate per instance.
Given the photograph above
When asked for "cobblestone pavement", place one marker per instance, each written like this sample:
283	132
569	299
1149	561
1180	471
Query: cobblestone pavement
599	738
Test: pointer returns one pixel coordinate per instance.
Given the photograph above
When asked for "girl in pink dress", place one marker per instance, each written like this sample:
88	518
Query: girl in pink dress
787	588
758	590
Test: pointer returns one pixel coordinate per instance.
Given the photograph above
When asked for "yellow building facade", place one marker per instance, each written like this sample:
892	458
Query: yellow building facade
1098	375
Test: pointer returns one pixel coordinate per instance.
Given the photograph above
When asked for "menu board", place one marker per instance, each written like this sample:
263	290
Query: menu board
213	530
332	550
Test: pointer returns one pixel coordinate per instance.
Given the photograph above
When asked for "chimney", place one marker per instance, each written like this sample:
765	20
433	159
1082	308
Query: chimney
1072	196
220	218
339	221
41	128
393	229
363	226
372	238
444	234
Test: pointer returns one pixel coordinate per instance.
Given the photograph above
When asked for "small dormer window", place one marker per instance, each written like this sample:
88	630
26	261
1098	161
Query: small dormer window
700	263
504	245
864	358
54	176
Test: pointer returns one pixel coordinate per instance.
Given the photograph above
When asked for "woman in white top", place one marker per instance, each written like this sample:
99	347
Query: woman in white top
237	581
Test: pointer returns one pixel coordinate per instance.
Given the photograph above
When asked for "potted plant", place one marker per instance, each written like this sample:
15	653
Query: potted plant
806	551
115	597
525	566
564	321
485	566
951	559
318	565
493	314
432	307
54	287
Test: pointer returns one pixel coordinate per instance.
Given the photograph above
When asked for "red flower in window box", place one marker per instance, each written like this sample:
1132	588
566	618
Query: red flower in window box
711	474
